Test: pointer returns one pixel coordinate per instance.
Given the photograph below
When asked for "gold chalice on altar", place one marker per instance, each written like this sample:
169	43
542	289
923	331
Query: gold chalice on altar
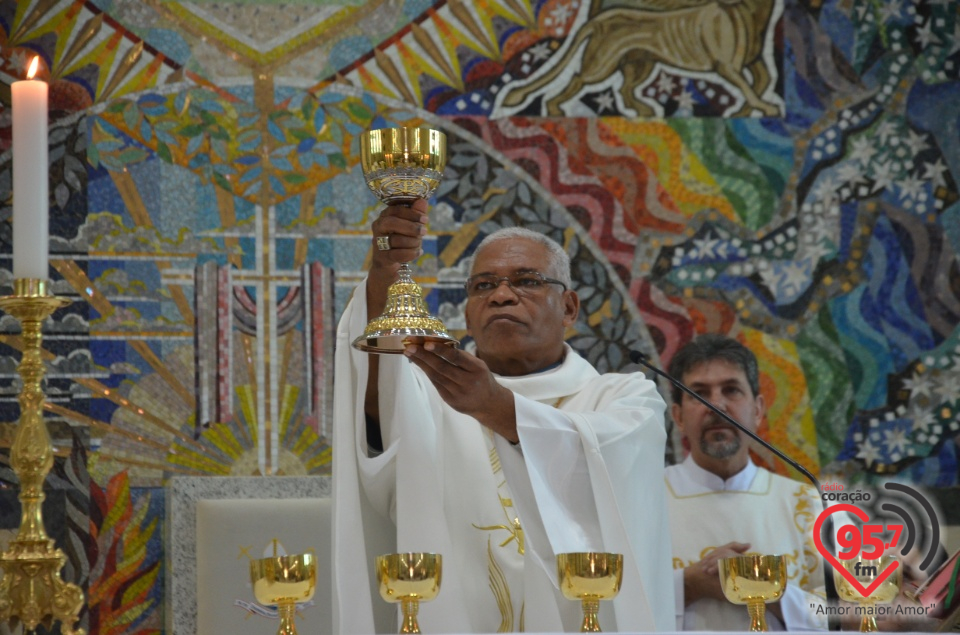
753	580
866	572
409	578
401	165
282	581
590	577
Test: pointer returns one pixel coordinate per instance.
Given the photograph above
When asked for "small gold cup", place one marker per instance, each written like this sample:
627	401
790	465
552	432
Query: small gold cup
865	572
409	578
282	581
753	580
590	577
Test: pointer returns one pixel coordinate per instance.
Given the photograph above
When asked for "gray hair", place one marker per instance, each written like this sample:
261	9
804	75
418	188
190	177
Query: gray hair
559	259
709	347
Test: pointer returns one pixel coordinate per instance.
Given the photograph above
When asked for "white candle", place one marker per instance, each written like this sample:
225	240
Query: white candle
30	177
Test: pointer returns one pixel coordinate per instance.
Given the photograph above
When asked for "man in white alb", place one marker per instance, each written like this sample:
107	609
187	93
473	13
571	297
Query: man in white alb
721	504
498	461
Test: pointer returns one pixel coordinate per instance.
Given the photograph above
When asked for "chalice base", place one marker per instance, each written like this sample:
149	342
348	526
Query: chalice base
405	320
758	619
393	343
410	606
868	624
591	624
287	624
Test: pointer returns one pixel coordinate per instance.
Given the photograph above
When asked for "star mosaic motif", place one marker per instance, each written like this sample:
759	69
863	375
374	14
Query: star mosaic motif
540	51
820	229
886	130
665	84
925	35
862	149
935	172
825	188
814	251
916	142
796	276
771	277
948	388
850	172
561	13
956	40
896	440
868	452
685	101
923	420
890	9
606	102
910	187
883	176
710	247
918	385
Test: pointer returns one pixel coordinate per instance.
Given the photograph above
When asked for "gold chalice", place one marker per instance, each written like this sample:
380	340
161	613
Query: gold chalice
865	572
590	577
409	578
753	580
282	581
401	165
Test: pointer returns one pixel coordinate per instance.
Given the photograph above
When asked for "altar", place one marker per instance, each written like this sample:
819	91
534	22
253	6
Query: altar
218	525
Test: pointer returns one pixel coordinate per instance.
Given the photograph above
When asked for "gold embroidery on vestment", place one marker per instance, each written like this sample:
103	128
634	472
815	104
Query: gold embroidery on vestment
501	591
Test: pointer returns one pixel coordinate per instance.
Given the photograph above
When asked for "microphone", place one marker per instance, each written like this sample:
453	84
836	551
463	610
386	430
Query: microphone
831	591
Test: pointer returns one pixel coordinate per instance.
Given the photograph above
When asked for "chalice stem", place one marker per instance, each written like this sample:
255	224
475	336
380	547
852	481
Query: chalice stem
410	606
868	624
405	274
590	622
758	620
286	613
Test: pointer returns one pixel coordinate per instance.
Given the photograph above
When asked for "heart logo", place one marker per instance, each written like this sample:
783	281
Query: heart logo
837	566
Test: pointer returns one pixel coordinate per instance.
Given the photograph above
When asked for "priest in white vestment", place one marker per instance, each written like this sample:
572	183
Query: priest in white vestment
497	461
721	504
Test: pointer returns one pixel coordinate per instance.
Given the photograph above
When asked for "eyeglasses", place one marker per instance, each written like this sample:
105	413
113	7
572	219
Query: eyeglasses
523	283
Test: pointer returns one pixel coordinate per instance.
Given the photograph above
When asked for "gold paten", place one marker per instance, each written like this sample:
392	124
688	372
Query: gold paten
401	165
590	577
409	578
282	581
866	571
753	580
31	589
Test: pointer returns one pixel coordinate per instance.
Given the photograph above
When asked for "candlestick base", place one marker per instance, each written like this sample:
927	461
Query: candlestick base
31	589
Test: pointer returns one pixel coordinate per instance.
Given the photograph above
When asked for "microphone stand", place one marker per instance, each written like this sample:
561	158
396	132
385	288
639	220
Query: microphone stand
831	590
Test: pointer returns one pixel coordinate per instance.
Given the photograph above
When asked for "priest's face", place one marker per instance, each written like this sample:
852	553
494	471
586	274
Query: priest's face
714	444
518	330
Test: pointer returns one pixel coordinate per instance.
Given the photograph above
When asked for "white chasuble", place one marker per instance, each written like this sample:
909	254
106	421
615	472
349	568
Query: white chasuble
772	513
585	477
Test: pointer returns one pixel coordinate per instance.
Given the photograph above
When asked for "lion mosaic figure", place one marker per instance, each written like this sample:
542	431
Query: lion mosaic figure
725	37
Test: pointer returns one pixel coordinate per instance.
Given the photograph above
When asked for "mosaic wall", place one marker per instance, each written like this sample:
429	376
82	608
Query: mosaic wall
788	176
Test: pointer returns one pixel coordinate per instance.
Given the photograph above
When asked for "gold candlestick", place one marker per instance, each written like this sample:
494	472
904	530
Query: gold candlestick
31	589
